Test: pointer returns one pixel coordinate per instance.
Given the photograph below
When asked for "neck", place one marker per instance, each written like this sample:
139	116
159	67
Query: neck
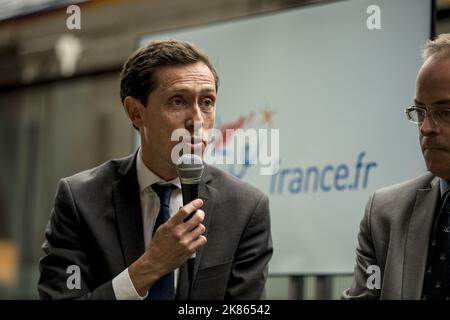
164	170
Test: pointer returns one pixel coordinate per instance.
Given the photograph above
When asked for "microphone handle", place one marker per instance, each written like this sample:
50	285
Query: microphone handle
189	192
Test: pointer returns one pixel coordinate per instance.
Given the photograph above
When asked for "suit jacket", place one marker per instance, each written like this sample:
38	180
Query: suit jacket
394	235
96	224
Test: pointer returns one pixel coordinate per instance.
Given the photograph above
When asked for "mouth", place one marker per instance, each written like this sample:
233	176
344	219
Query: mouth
196	143
434	148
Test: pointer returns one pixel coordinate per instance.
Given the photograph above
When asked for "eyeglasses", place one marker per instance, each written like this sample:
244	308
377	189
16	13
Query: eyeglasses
417	115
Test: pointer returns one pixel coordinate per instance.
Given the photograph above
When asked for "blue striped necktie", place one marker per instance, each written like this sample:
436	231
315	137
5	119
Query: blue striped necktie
164	288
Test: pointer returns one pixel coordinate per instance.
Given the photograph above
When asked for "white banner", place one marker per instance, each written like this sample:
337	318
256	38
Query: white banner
334	79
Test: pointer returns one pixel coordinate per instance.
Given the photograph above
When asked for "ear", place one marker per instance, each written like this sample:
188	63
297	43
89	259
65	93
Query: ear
134	109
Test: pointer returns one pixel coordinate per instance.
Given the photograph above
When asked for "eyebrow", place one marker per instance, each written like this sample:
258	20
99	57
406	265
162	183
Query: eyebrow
443	101
206	87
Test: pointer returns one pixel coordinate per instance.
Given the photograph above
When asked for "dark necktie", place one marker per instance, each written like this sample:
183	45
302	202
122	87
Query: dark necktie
164	288
437	274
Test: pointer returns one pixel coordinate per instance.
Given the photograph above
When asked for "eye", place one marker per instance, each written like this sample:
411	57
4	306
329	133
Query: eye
207	103
177	101
442	114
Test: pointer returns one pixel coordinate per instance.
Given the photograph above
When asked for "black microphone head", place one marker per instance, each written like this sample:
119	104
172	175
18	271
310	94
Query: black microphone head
190	168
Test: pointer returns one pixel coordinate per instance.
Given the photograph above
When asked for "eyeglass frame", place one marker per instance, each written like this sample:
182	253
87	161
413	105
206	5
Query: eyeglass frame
428	113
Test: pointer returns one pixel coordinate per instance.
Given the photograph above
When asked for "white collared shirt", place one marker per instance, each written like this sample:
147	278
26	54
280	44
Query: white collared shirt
122	284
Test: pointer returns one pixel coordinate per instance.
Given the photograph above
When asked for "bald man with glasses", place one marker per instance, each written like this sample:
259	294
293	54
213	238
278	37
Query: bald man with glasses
403	242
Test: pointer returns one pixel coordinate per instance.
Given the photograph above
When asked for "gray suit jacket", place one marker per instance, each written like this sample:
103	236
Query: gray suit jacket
96	224
394	235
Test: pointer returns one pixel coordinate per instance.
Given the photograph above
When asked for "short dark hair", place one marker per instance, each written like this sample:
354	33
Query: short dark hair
138	79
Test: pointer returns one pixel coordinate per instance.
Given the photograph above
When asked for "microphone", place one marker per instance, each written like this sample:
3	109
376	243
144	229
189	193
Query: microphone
190	169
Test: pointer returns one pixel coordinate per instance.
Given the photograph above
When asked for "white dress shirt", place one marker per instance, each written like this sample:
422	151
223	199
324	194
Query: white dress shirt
122	284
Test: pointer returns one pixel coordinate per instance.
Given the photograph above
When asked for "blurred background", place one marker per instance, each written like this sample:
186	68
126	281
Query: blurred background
60	112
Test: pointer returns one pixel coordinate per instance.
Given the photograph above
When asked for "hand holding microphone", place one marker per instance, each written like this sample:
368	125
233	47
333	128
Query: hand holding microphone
180	237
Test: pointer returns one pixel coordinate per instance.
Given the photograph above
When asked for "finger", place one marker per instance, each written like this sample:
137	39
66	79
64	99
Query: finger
194	221
196	232
190	216
197	244
185	211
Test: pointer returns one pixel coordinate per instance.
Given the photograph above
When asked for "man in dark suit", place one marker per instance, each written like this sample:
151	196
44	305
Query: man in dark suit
403	243
121	227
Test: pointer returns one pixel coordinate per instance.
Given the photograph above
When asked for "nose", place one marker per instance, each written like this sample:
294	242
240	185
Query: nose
429	127
194	122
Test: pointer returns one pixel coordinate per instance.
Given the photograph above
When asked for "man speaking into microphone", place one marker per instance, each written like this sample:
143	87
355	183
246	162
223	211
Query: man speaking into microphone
122	226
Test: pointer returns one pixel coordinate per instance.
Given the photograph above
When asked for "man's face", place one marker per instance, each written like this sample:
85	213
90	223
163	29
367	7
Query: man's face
185	94
433	91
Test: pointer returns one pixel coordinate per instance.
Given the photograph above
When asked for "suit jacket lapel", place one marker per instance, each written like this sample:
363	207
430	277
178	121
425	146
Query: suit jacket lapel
207	193
127	207
417	241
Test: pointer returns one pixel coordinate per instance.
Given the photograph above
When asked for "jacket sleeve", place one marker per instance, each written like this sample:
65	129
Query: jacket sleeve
250	266
64	268
365	257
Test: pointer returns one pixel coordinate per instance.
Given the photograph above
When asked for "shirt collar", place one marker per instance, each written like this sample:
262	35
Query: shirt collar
147	177
445	186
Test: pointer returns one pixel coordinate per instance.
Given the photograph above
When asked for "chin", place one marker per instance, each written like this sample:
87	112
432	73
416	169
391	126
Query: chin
440	171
